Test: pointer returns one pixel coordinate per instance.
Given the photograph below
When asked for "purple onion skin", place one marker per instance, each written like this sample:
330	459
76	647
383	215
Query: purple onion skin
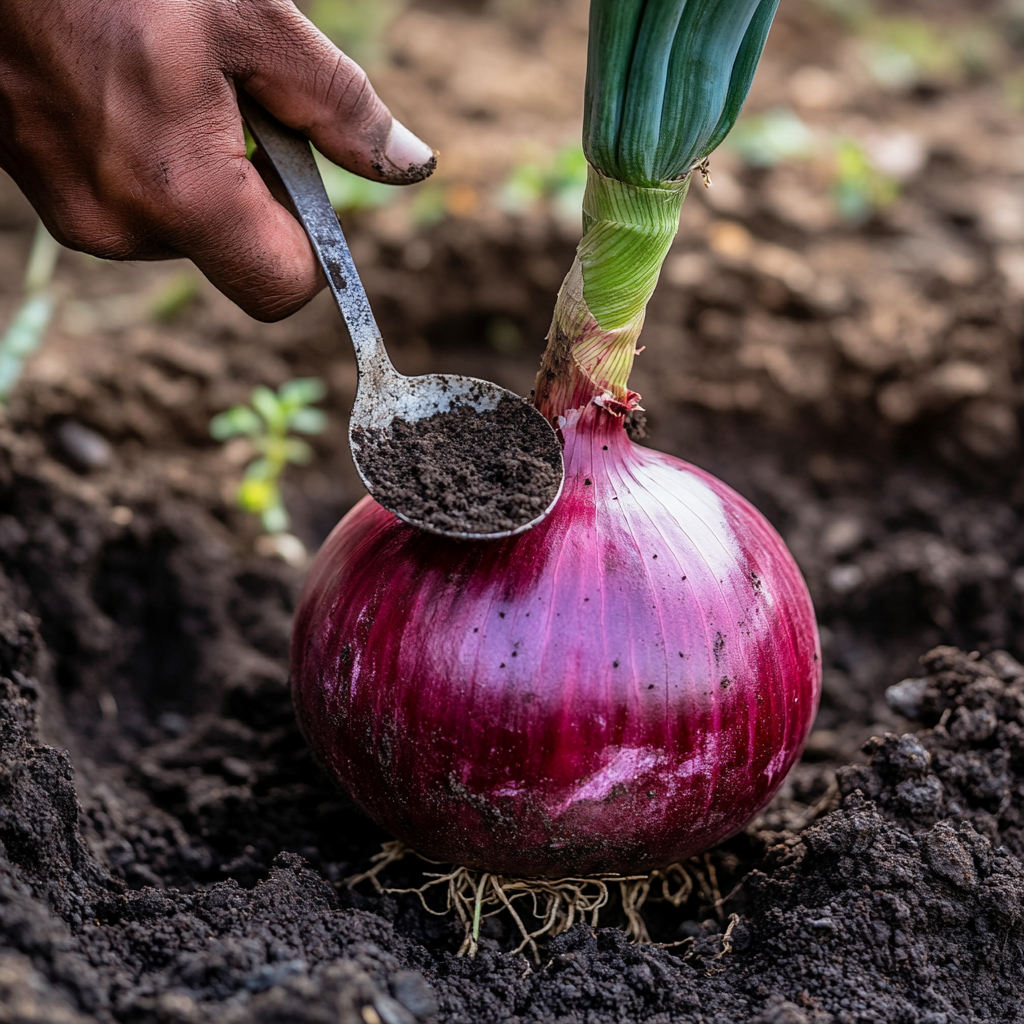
619	688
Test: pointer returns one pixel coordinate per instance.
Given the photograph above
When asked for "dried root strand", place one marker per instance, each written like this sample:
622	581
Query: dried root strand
390	852
558	904
734	919
676	885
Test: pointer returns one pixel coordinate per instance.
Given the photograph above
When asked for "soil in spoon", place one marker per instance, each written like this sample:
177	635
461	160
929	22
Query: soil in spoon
464	471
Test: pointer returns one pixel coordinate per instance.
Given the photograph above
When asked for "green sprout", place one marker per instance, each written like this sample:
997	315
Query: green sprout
763	140
268	423
26	330
560	180
859	187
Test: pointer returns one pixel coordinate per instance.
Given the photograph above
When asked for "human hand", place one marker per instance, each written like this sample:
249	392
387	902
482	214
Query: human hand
119	122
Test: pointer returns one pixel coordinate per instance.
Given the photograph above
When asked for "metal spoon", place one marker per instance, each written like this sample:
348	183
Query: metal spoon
392	410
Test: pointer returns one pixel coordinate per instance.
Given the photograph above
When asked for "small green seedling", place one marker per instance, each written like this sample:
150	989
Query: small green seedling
174	297
560	180
764	140
268	423
859	187
26	330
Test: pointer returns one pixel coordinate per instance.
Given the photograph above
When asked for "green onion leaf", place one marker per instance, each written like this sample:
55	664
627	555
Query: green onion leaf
743	72
640	137
614	26
666	80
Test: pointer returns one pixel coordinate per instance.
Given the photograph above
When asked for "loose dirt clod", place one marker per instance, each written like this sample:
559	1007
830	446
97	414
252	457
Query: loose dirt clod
510	476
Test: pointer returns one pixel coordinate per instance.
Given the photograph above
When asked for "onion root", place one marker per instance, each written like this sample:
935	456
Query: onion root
557	903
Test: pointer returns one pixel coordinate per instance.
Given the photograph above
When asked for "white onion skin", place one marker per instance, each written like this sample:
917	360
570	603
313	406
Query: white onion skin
619	688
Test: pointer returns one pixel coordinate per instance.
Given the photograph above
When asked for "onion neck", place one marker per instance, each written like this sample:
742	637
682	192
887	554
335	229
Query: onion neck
599	312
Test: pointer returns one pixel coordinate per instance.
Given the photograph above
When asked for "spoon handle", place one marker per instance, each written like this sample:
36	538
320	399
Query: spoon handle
289	152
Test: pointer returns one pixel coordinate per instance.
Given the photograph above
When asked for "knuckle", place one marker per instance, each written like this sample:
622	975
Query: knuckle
262	293
245	30
270	310
96	232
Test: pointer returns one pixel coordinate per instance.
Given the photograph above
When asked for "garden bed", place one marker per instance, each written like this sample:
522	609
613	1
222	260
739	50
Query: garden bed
170	851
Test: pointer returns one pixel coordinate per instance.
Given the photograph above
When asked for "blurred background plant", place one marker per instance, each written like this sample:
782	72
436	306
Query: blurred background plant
27	329
862	175
360	28
860	186
357	26
895	50
170	301
764	140
267	425
903	51
558	180
348	191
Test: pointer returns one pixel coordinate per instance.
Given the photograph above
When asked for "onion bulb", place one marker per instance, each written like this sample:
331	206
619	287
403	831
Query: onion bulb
629	682
621	687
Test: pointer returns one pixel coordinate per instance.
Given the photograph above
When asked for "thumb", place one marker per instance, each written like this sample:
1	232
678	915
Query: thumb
305	81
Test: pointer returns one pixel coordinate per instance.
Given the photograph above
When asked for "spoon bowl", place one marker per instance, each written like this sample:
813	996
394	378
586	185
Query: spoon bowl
456	455
452	455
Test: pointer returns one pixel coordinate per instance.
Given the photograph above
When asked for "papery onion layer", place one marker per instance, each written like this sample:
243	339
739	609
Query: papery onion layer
617	689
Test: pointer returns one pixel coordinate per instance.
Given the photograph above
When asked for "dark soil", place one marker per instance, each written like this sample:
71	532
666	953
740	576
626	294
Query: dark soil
169	852
463	471
902	905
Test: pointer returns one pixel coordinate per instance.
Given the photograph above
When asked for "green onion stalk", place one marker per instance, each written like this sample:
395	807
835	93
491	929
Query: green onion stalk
666	80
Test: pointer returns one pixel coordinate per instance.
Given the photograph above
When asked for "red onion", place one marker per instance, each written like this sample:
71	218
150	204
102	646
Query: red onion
629	682
623	686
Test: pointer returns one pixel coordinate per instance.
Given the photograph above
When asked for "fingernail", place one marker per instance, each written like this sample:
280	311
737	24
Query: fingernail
406	150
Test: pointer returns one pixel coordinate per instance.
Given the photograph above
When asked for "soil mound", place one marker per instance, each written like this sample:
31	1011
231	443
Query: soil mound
200	878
